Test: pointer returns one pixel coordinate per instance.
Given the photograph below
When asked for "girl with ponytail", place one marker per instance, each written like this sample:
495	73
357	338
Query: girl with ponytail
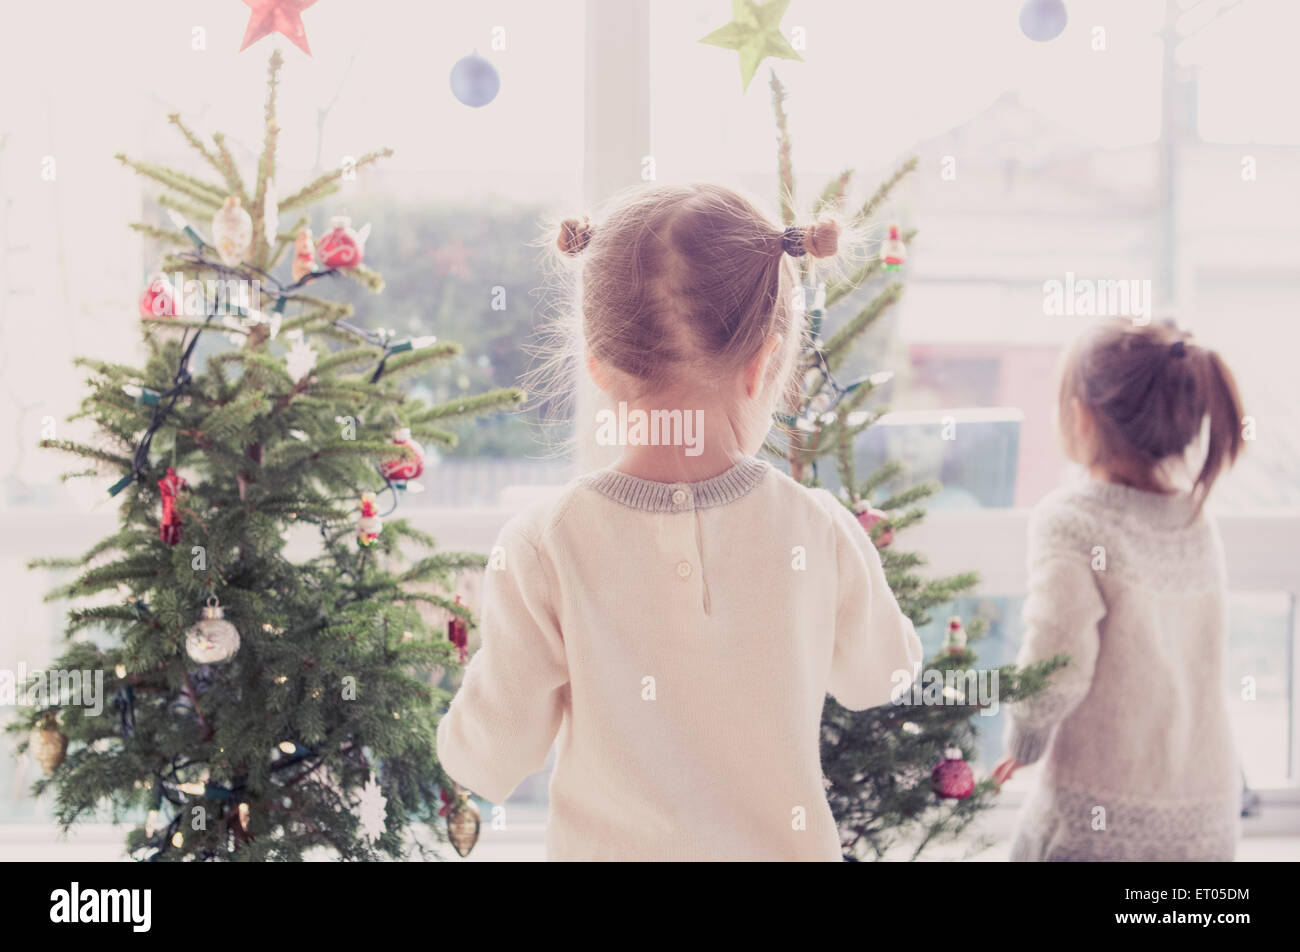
1127	579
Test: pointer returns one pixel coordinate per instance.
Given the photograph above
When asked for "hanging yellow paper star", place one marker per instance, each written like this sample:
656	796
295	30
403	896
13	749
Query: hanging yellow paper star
754	33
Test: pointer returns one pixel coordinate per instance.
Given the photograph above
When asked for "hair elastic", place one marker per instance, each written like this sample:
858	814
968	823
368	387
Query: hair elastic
1178	349
792	242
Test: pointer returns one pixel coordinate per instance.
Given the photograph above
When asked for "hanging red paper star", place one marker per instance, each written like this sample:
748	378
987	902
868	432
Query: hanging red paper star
279	16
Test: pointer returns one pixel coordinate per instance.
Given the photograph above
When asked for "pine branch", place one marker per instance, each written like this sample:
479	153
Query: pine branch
372	281
316	187
345	358
907	497
191	212
226	166
887	473
442	565
414	359
784	163
266	163
477	405
870	206
87	452
832	196
434	434
837	348
221	161
166	235
205	193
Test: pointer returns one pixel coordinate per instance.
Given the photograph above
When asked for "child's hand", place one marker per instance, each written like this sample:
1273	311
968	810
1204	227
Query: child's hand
1003	770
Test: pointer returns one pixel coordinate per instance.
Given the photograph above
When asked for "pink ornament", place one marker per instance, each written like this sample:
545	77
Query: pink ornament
868	517
952	778
458	634
341	247
408	467
158	299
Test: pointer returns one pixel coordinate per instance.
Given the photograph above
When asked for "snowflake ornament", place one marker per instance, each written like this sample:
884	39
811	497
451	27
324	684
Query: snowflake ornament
301	357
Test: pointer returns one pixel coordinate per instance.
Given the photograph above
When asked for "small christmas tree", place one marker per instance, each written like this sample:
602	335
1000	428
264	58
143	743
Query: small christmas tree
879	763
263	705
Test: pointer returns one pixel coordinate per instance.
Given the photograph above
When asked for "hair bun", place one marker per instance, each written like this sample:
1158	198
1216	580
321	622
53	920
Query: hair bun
822	239
574	236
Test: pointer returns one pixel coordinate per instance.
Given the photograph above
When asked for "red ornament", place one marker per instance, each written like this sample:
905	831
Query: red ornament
458	634
341	247
169	529
158	299
409	467
868	517
278	16
952	778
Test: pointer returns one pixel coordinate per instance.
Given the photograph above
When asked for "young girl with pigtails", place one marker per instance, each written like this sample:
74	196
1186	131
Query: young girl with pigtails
675	621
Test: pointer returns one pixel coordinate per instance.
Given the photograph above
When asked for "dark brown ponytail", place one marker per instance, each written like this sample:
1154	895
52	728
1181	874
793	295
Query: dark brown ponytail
1151	390
1223	407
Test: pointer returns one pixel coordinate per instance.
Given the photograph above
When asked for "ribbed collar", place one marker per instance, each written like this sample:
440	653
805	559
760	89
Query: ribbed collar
637	493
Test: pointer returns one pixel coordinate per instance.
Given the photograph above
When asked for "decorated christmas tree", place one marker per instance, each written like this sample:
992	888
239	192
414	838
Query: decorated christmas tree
897	775
273	658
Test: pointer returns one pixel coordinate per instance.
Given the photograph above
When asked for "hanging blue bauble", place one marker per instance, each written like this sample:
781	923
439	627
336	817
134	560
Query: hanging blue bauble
1043	20
474	81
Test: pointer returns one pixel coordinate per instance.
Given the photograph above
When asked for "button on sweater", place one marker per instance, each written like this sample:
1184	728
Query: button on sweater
1139	762
676	641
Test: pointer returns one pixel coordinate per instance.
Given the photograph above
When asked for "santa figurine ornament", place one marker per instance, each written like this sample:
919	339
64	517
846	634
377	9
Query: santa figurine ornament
304	255
401	471
169	529
955	642
370	525
341	247
894	252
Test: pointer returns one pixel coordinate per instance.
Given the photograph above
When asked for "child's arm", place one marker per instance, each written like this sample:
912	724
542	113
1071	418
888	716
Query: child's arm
876	647
1061	614
506	714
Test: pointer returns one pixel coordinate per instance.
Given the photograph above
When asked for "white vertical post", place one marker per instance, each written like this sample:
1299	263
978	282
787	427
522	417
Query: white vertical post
616	140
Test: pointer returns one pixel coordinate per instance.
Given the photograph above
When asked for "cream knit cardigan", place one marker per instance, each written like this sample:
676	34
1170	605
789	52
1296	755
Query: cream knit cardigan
679	639
1139	758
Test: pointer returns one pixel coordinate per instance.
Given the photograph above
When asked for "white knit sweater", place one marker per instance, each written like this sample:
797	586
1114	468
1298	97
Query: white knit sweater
679	639
1139	758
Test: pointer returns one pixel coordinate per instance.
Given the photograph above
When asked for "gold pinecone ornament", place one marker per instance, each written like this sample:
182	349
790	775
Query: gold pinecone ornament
48	744
463	822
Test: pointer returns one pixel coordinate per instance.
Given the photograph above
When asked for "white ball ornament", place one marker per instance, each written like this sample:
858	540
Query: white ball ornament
212	639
